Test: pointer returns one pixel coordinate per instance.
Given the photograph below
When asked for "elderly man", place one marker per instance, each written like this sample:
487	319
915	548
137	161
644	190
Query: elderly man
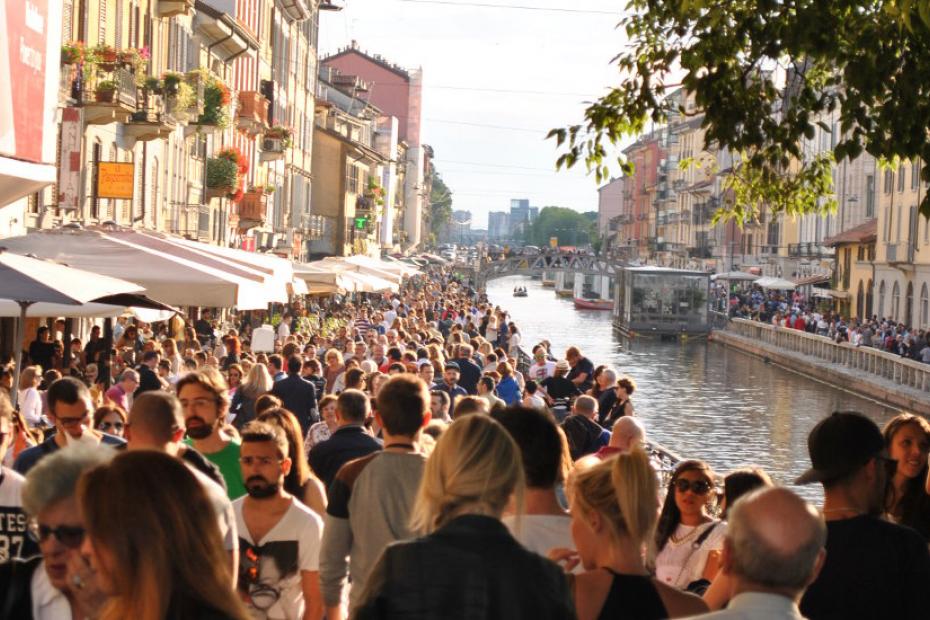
585	436
627	433
773	550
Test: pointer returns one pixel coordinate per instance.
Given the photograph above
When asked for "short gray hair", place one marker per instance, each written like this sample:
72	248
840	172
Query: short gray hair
129	373
610	374
55	477
756	560
586	404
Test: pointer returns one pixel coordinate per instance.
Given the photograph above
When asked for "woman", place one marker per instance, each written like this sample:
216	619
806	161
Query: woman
300	481
234	379
622	405
491	332
324	429
907	438
148	505
613	514
468	480
508	389
233	351
110	420
688	539
130	340
334	367
169	347
30	401
513	342
243	405
92	380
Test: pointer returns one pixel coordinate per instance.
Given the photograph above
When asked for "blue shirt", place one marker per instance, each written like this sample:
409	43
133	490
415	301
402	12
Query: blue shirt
30	456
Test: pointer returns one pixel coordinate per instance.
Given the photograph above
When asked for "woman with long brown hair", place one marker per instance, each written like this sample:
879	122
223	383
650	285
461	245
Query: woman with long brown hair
907	438
154	542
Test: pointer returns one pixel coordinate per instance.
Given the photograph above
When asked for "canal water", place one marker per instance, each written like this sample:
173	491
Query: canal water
699	399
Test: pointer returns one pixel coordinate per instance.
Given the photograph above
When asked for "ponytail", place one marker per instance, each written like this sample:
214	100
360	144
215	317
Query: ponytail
636	487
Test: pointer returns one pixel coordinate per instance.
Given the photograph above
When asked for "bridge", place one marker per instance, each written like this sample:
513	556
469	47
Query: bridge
483	270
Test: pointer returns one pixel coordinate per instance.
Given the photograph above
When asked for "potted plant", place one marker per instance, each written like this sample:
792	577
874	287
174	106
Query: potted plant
216	100
269	189
105	90
222	176
105	56
282	133
72	53
133	57
153	85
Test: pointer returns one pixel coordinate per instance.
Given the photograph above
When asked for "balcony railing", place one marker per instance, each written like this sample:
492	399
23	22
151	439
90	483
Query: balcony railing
253	112
153	119
253	209
108	96
809	250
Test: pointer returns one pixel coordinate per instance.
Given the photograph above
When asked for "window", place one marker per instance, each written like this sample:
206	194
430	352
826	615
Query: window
895	301
351	178
881	299
915	174
924	307
889	181
909	305
870	196
860	301
901	178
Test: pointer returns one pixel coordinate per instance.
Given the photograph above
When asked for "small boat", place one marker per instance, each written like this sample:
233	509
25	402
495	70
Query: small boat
593	304
520	292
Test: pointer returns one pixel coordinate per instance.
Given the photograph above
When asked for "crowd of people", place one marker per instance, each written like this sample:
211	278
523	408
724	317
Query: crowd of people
399	456
794	311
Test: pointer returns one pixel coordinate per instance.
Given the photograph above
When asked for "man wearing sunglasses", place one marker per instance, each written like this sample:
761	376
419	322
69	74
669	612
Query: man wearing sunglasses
70	410
58	583
874	568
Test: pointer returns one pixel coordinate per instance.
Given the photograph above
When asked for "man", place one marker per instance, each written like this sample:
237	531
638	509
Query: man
284	328
377	354
203	329
14	540
469	371
439	405
349	441
545	525
121	393
70	411
394	356
450	377
297	394
275	367
360	352
774	548
157	423
205	404
541	368
94	347
585	436
486	387
582	369
312	371
874	568
148	375
427	373
371	498
627	433
41	350
279	537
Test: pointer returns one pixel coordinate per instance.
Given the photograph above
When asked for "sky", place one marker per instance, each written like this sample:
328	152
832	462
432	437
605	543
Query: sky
496	80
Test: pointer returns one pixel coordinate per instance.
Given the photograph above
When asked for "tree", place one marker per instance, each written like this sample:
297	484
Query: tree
764	73
440	203
570	227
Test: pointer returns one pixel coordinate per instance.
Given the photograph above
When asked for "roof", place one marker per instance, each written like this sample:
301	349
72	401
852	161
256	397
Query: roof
374	59
863	233
666	270
820	278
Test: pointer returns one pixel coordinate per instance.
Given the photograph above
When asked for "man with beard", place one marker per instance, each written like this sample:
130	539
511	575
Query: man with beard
205	403
279	537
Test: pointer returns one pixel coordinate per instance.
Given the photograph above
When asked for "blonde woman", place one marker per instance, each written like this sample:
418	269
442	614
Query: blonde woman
257	382
30	401
170	352
614	507
335	366
469	479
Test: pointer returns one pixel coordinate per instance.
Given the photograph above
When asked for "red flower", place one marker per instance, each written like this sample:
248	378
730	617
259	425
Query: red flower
237	196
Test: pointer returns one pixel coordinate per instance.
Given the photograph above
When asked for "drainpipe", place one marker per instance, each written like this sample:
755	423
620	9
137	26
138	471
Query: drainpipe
145	156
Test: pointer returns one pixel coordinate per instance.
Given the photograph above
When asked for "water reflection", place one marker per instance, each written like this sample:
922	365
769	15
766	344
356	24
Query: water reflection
699	399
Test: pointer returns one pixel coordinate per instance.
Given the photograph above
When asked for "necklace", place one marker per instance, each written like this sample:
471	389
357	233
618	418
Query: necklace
690	534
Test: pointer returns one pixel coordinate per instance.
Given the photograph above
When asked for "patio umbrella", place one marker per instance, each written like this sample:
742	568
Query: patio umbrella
779	284
734	275
26	281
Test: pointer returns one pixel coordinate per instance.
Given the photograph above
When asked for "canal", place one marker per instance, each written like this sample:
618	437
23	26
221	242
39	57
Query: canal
698	399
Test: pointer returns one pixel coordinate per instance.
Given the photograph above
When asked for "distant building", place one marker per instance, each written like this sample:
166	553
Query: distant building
609	204
521	216
498	225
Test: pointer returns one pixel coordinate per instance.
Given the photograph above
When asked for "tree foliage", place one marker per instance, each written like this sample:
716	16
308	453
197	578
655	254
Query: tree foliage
440	202
570	227
764	73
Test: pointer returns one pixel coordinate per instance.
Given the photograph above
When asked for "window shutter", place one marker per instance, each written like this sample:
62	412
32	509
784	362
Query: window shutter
102	22
67	19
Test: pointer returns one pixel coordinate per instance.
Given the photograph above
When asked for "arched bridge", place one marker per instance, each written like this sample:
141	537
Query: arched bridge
483	270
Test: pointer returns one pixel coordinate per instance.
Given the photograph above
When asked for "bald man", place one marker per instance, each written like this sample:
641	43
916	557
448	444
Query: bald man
773	550
156	422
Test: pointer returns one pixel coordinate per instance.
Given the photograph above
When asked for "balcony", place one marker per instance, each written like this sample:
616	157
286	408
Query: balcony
769	250
272	149
899	253
153	120
107	96
809	250
252	116
252	209
171	8
295	10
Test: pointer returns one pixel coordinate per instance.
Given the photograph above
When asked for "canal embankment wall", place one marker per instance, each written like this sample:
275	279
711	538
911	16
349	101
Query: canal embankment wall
895	381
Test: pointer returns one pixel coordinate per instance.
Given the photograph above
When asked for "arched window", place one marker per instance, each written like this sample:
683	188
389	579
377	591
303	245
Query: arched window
924	307
896	302
868	299
909	305
881	300
860	301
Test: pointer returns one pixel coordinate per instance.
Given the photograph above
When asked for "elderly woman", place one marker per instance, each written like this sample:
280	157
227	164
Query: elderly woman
57	583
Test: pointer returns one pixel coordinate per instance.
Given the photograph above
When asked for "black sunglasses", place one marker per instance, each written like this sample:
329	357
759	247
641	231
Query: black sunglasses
698	487
69	536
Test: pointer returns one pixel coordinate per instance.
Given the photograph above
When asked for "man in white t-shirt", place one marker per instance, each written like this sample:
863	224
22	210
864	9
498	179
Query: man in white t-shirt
284	328
279	571
541	368
14	542
545	524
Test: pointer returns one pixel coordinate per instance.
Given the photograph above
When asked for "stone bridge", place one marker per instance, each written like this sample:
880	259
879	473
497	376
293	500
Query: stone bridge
549	263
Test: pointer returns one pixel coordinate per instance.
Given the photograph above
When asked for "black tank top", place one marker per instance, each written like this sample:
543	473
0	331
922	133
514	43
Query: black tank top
632	597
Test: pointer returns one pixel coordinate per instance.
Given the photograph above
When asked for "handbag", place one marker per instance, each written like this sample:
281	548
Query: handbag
698	586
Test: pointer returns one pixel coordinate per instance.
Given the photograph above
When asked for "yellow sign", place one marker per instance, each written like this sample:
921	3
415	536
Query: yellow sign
553	242
115	180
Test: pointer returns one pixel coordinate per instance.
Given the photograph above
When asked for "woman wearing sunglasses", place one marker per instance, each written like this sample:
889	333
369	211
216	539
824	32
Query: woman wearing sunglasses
688	539
110	419
57	583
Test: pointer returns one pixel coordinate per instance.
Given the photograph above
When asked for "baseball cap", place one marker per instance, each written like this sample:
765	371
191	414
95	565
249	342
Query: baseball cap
840	444
452	366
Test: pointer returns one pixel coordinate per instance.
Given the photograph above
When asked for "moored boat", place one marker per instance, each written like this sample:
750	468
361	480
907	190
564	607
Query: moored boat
593	304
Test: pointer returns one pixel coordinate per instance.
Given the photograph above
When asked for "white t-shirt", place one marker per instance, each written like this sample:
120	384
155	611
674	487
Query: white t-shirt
284	330
541	533
535	402
678	564
291	547
537	372
13	536
30	404
223	508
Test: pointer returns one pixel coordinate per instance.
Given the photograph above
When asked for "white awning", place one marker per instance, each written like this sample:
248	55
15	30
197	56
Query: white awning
779	284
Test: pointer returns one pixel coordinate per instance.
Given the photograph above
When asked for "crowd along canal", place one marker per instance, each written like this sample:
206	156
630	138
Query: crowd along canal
698	399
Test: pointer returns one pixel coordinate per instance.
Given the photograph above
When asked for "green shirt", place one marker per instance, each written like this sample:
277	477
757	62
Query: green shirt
227	460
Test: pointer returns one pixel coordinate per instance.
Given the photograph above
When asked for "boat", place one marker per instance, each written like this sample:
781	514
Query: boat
593	304
548	279
661	302
520	293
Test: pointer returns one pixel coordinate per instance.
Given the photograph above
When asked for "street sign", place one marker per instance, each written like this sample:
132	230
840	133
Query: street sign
553	242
